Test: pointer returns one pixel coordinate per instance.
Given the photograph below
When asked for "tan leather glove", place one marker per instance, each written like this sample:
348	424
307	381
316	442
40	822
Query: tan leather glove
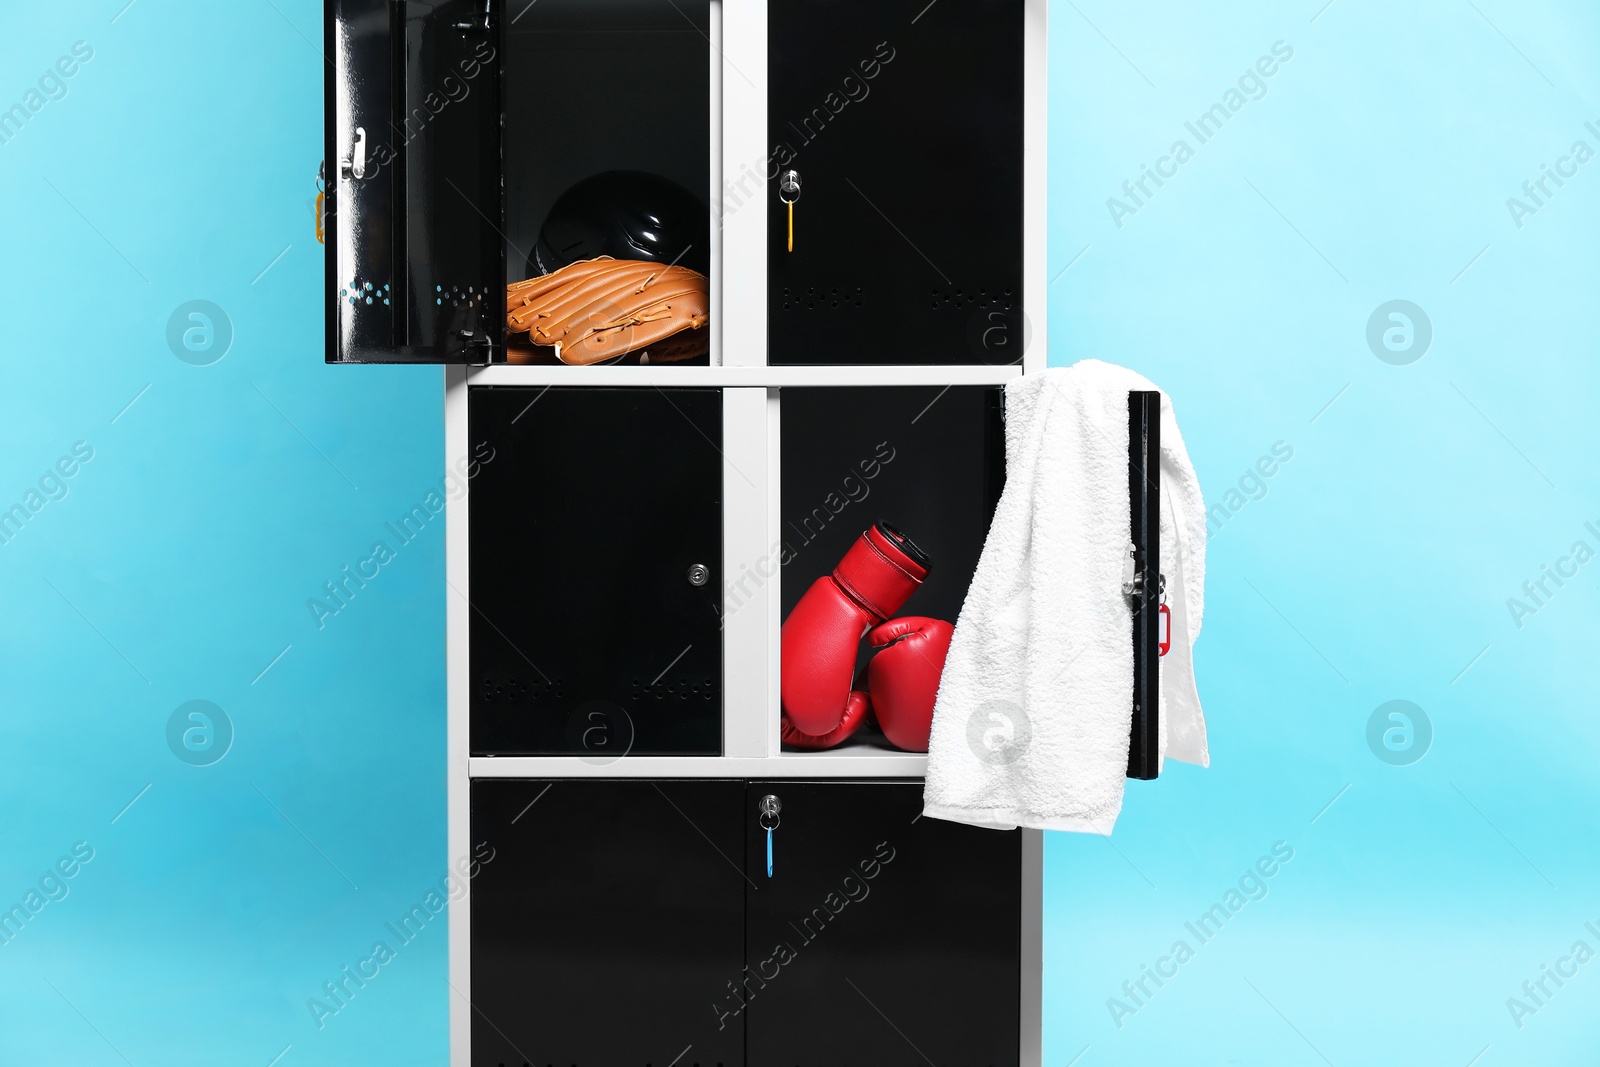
601	309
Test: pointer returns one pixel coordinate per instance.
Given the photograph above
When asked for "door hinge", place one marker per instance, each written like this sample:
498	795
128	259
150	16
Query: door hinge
1133	574
479	346
481	22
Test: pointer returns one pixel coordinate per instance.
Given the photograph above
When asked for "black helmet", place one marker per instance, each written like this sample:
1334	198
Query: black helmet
625	214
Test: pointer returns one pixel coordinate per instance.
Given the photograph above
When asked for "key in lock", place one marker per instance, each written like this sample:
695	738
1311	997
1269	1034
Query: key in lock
789	192
769	808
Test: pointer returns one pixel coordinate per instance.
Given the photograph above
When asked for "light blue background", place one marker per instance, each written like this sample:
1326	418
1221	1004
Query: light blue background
1376	567
1413	508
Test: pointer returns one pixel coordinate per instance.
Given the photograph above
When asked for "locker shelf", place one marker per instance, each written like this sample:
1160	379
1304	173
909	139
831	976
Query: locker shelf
743	376
849	761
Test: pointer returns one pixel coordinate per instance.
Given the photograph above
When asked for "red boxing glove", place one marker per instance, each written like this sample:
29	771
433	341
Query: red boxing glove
855	714
822	635
904	677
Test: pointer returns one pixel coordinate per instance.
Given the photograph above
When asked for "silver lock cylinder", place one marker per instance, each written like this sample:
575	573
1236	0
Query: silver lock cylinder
699	574
789	186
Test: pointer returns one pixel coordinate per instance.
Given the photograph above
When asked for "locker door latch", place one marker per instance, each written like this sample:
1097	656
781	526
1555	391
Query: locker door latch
356	166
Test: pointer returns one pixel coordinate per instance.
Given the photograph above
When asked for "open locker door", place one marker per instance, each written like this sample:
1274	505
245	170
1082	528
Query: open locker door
1147	586
415	263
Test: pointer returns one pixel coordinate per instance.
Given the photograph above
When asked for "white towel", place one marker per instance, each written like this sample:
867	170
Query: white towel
1031	723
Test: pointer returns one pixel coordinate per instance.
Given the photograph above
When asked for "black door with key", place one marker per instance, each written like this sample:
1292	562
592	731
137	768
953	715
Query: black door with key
607	922
897	133
881	938
596	571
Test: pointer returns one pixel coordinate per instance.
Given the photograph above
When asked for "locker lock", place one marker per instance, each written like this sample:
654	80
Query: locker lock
699	574
768	821
789	192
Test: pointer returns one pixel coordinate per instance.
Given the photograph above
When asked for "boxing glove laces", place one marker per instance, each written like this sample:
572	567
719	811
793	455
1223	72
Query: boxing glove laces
822	635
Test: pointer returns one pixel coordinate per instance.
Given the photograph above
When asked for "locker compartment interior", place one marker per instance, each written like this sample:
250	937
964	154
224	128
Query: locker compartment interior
609	103
929	460
592	632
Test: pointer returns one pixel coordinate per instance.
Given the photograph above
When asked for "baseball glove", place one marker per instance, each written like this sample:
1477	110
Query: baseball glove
601	309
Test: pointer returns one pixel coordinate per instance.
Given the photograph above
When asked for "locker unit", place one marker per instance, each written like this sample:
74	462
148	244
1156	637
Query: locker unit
619	570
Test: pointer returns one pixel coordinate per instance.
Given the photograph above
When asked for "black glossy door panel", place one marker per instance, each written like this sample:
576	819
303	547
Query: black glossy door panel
904	122
414	257
881	939
589	634
608	920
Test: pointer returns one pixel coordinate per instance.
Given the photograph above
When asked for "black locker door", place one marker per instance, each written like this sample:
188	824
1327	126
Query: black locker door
412	118
903	121
881	939
593	632
607	923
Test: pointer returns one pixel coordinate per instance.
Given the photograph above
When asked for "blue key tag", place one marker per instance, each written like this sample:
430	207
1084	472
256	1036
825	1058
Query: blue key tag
768	821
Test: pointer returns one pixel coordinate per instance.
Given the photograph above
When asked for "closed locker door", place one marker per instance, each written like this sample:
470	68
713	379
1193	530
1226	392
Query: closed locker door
595	549
606	921
901	123
881	939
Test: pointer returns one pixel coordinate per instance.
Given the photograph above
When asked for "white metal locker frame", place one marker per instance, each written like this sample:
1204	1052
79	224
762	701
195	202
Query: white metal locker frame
751	492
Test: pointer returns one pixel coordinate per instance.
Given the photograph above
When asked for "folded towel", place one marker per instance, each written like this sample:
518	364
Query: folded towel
1031	724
